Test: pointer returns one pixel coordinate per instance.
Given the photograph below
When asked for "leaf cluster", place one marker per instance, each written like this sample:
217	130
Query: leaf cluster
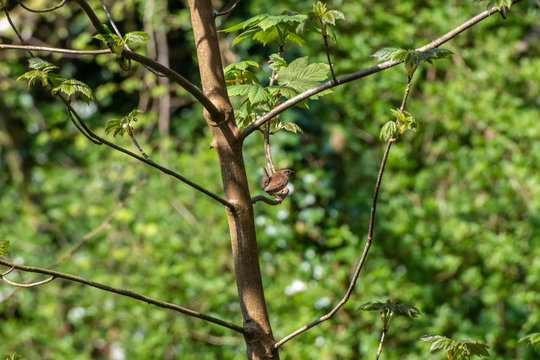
116	44
120	126
292	79
320	17
395	307
393	128
266	28
456	350
411	58
69	87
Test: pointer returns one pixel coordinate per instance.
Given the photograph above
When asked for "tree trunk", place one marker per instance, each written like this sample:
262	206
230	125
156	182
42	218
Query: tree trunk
228	145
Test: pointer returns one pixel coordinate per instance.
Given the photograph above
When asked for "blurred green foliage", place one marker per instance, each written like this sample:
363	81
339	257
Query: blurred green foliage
457	228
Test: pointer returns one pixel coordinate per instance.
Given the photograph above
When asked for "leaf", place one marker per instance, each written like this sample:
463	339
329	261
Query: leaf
255	92
71	86
112	41
115	126
251	22
390	54
331	16
319	9
34	75
301	76
463	349
292	127
388	130
242	65
119	126
136	37
277	62
396	307
40	64
4	245
533	339
405	120
499	3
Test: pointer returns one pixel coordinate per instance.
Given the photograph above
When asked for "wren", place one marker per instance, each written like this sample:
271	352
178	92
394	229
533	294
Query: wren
276	182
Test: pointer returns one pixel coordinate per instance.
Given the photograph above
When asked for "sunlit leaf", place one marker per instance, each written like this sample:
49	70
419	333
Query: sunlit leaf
533	339
136	37
388	131
71	86
40	64
331	16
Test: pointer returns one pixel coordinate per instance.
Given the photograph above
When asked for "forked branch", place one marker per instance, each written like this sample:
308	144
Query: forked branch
126	293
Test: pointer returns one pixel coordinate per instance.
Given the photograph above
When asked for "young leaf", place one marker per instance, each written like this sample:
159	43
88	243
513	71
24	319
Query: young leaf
242	65
390	53
71	86
277	62
115	126
4	245
388	131
40	64
331	16
396	307
292	127
255	92
463	349
136	37
533	339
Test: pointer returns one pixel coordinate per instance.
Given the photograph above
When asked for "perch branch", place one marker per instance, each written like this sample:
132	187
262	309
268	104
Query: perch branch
62	3
126	293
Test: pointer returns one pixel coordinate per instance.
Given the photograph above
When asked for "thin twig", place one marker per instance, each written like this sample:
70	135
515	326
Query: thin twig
54	50
325	37
126	293
99	140
360	263
130	133
381	341
44	10
111	21
267	200
362	73
4	6
229	10
25	285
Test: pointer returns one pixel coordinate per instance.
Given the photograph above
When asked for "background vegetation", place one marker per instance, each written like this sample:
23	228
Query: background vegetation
458	230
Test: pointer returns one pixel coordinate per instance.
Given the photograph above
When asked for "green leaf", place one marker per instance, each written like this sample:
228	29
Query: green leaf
4	245
301	76
40	64
277	62
120	126
112	41
463	349
255	92
34	75
71	86
499	3
136	37
533	339
319	9
388	130
331	16
405	120
251	22
242	65
292	127
390	54
396	307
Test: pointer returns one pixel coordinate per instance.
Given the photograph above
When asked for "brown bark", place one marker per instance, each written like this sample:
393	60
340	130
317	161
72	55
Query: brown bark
228	145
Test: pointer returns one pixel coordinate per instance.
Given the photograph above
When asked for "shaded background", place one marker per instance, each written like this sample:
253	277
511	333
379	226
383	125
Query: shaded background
458	227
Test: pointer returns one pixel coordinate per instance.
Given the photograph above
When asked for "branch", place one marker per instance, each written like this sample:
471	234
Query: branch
360	263
86	237
126	293
54	50
217	116
361	74
99	141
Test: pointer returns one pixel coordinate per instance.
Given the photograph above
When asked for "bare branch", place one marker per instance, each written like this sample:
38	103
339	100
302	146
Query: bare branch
126	293
267	200
54	50
86	237
362	73
99	140
217	116
360	263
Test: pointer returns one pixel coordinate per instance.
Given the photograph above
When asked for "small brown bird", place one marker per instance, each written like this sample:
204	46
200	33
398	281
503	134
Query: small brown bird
276	182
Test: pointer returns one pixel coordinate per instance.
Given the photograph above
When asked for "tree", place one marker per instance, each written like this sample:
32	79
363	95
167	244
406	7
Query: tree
228	139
